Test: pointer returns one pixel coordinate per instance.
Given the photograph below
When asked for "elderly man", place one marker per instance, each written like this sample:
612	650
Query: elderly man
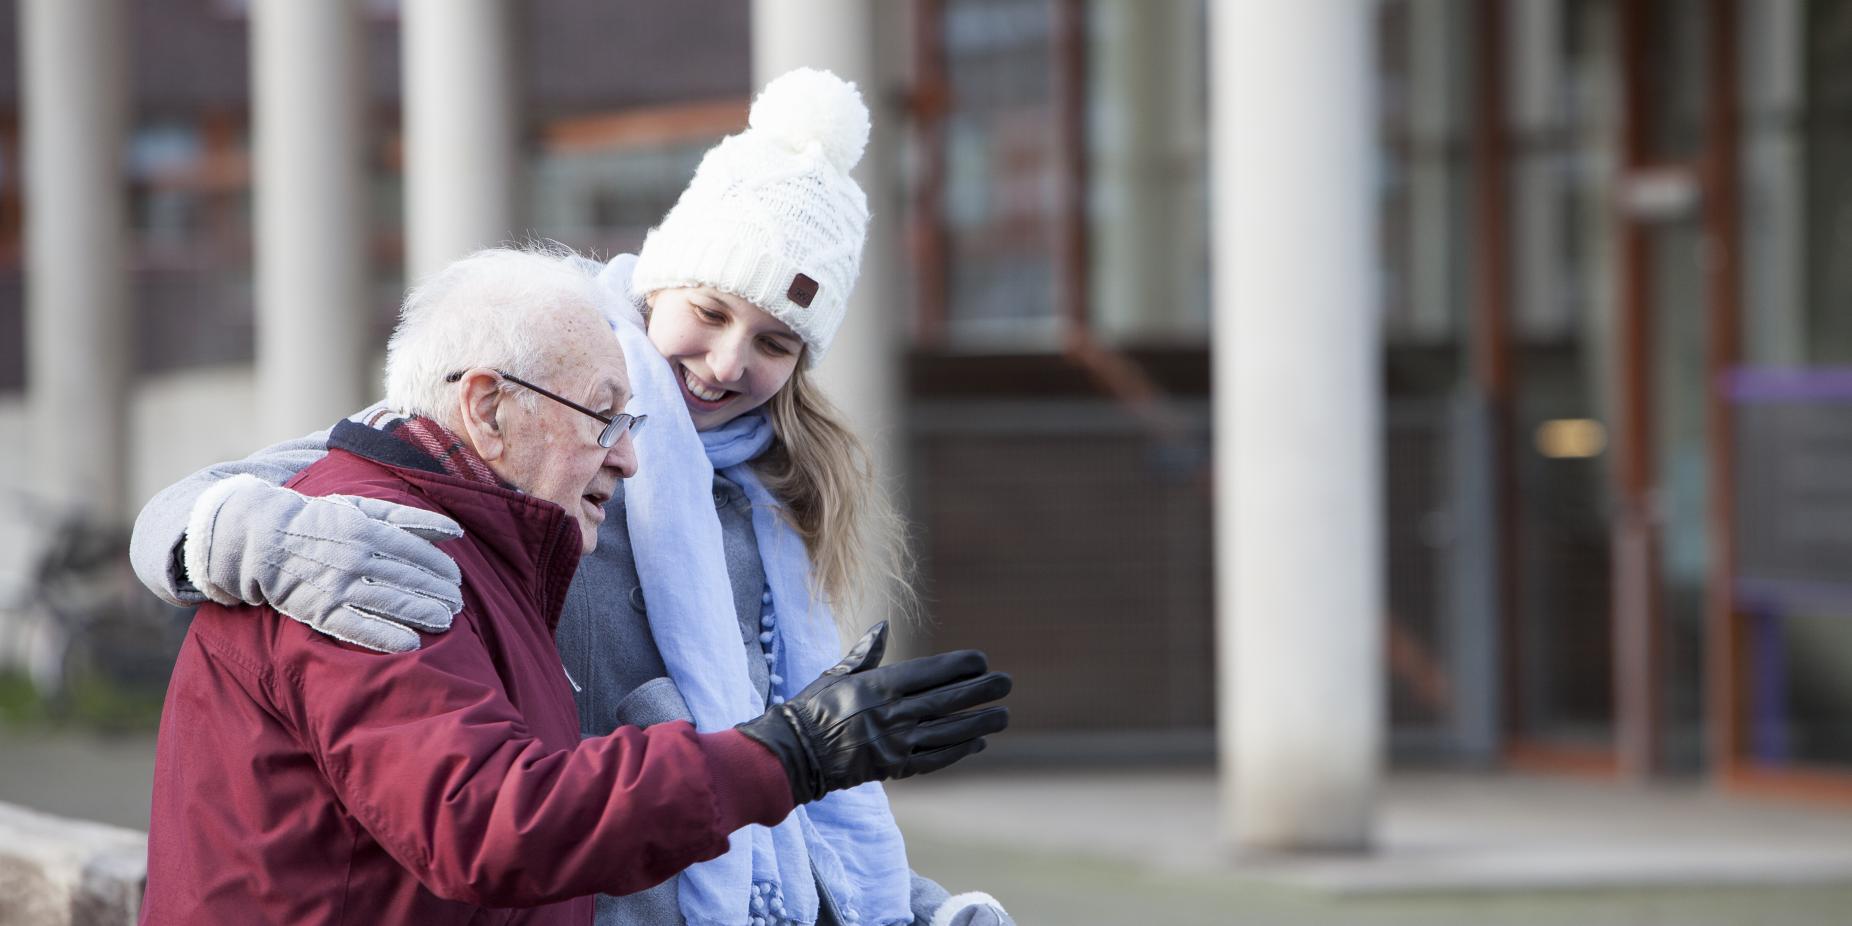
300	779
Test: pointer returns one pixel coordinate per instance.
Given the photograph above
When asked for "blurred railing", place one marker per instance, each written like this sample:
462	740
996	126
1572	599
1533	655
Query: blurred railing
1072	542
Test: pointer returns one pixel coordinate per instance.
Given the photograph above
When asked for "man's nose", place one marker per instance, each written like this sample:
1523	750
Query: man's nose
623	456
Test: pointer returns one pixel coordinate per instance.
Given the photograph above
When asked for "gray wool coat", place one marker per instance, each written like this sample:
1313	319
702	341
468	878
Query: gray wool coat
603	637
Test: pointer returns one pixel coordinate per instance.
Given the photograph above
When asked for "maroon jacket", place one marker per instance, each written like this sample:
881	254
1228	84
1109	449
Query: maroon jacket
302	780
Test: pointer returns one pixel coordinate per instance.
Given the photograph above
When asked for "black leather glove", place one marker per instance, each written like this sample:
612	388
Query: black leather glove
857	723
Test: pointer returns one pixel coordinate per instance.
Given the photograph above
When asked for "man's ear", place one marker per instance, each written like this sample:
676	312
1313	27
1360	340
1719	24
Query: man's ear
479	407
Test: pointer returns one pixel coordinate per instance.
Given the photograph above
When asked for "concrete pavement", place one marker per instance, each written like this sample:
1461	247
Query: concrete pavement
1101	847
1139	847
1436	832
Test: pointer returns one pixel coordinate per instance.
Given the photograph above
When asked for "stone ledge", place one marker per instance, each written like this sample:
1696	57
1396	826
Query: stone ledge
56	871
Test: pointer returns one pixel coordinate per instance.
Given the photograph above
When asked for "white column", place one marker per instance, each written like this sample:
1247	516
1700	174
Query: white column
461	135
1298	455
307	91
78	360
861	374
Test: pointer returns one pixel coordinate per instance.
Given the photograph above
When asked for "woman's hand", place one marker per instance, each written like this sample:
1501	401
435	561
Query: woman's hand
361	570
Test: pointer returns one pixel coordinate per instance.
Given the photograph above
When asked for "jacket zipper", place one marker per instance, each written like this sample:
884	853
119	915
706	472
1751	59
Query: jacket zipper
575	685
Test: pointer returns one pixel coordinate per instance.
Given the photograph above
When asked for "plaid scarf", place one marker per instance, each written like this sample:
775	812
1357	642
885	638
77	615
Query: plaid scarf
437	442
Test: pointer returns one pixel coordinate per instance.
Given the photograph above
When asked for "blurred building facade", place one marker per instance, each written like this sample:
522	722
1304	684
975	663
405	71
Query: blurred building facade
1615	444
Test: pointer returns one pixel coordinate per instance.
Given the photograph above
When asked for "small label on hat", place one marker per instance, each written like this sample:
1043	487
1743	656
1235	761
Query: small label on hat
803	290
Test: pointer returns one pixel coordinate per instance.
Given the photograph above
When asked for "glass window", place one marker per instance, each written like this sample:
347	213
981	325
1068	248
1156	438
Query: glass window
1827	83
998	203
1148	184
605	200
190	225
1425	196
1562	80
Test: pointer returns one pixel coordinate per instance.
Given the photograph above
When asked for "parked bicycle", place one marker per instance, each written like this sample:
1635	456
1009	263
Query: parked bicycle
86	634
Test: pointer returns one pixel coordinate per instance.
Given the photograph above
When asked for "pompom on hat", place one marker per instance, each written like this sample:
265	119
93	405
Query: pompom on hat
772	215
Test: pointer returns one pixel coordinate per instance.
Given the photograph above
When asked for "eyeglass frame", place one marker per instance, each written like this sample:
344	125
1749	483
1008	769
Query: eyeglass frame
615	426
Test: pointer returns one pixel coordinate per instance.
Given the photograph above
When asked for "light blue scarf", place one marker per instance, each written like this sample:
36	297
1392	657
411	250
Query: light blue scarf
848	838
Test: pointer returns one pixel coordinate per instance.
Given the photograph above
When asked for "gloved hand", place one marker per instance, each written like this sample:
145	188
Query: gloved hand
974	909
857	723
361	570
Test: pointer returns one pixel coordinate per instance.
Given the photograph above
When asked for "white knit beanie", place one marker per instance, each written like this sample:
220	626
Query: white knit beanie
771	215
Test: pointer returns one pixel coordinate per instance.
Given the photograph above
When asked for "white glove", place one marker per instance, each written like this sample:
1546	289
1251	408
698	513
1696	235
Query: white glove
973	909
361	570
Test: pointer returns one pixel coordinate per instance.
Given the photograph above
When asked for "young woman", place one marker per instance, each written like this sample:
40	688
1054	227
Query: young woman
751	520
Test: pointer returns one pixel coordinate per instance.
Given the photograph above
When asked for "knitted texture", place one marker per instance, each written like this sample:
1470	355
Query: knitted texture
772	215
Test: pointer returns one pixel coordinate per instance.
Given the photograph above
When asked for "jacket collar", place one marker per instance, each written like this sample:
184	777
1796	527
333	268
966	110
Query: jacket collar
412	443
532	542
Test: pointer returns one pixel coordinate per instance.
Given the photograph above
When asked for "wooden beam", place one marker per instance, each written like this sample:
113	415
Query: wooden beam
648	127
1635	534
1721	173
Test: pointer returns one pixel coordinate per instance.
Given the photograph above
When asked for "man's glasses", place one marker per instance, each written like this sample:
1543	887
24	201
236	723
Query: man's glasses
614	426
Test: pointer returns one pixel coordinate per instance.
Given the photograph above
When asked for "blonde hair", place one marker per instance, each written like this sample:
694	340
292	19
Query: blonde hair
856	537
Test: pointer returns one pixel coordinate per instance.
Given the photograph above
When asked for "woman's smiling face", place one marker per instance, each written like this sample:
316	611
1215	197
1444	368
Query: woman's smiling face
729	355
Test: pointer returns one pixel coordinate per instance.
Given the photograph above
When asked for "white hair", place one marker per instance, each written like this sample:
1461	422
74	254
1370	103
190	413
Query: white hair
490	309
